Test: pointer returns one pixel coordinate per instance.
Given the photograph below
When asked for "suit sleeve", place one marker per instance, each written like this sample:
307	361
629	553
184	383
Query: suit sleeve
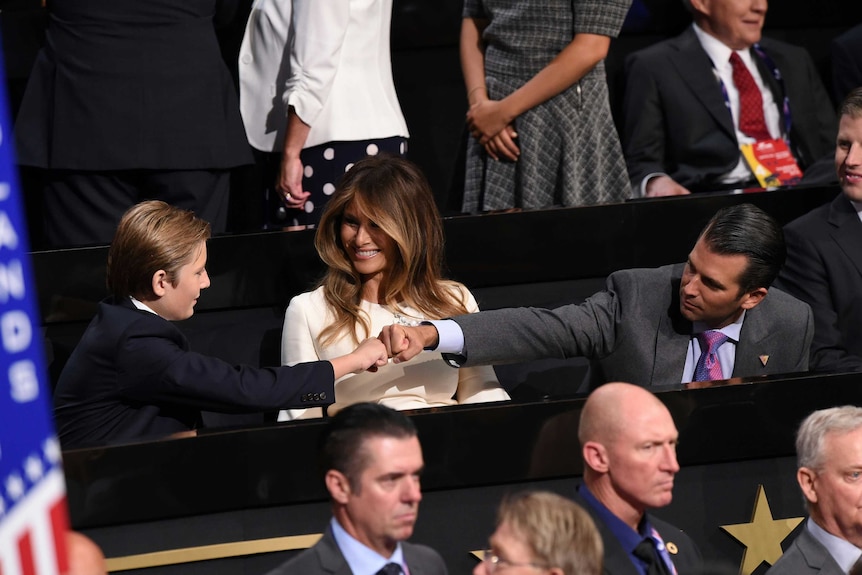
644	138
524	334
479	383
165	373
804	275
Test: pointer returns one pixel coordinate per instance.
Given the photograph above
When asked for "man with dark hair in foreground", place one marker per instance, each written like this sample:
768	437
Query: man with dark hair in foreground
371	460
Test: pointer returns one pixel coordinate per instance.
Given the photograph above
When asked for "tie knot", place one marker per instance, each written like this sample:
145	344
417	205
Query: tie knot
645	551
735	60
390	569
711	340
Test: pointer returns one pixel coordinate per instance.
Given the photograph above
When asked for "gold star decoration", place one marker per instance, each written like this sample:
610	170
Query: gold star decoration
762	537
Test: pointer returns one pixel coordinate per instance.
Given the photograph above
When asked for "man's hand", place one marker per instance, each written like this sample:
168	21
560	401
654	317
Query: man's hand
404	343
664	186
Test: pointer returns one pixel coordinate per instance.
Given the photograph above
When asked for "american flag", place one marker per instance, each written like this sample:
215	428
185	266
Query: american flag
33	516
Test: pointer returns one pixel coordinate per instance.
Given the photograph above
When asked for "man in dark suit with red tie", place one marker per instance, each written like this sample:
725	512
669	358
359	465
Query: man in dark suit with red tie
824	255
691	101
371	460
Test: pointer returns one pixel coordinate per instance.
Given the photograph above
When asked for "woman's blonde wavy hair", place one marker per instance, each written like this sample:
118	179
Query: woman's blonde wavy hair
394	194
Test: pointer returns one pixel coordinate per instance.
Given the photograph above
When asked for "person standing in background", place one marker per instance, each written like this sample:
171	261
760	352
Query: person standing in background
130	101
540	119
316	95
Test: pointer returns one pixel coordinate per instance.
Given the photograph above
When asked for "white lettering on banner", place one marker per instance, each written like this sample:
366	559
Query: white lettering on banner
12	281
23	383
8	236
15	331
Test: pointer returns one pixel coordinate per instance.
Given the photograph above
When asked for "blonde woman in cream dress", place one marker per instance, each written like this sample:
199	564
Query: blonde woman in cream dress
382	239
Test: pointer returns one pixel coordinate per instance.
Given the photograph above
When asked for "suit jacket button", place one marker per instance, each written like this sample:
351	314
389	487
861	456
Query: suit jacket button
323	395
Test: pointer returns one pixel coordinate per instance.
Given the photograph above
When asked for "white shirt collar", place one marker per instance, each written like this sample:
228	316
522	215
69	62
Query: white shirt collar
844	552
731	331
718	51
858	207
142	306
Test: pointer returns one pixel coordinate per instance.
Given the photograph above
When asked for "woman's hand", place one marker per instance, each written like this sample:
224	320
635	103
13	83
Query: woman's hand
290	182
486	119
503	145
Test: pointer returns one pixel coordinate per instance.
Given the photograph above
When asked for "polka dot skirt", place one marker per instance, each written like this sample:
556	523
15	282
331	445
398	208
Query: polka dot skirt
324	164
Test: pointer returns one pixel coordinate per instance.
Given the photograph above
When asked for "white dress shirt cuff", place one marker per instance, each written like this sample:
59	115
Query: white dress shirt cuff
646	181
450	338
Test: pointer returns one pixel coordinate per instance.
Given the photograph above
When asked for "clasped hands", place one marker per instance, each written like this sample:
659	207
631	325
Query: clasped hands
488	123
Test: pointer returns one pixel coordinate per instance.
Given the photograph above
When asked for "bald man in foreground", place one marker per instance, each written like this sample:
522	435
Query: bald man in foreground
628	444
85	557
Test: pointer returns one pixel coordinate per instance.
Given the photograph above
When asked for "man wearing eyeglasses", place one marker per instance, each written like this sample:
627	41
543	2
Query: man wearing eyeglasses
628	444
372	462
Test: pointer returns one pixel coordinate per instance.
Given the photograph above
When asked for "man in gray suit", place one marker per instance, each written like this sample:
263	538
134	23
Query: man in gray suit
372	461
829	454
651	327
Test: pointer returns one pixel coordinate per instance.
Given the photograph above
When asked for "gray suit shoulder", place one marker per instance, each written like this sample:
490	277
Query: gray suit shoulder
656	282
782	302
422	560
649	276
806	555
305	562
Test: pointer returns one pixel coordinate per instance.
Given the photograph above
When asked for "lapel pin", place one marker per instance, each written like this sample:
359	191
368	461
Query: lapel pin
671	548
764	359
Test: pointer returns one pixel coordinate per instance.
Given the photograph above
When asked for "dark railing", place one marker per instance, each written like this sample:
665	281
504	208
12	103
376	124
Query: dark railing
251	484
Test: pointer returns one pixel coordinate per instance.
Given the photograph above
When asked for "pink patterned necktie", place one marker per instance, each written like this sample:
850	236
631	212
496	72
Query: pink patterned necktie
708	367
751	122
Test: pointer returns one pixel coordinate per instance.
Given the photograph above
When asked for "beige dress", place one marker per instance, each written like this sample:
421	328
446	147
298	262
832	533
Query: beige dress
424	381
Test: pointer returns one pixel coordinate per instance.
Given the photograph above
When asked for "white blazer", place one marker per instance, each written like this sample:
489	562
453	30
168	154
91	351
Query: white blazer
330	60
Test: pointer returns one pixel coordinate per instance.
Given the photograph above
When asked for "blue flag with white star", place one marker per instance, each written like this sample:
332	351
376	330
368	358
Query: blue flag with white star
33	516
